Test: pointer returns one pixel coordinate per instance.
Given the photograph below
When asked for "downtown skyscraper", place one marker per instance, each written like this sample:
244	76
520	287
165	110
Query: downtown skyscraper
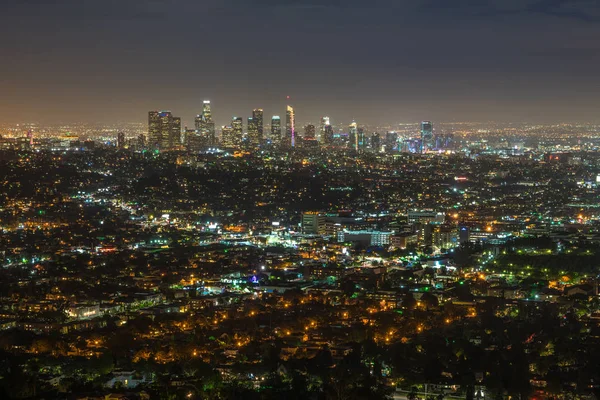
205	125
257	117
275	129
252	132
325	131
164	130
353	136
237	126
290	127
255	127
361	138
309	131
228	138
193	141
427	142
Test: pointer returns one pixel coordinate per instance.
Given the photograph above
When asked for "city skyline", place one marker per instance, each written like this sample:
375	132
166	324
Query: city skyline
300	199
385	61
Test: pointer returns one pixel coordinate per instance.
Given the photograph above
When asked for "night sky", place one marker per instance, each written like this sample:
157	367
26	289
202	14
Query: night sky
374	60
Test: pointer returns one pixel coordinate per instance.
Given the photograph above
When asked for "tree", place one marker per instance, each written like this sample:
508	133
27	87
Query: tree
409	301
412	395
430	300
348	287
323	359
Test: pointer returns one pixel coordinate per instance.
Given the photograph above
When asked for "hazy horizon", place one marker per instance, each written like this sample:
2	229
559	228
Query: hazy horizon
379	62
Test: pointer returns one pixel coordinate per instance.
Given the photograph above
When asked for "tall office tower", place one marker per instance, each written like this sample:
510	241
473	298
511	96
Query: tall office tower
210	130
237	125
322	126
444	236
449	143
209	133
412	145
253	132
141	141
353	136
205	125
375	142
175	134
426	136
309	131
228	138
120	140
444	142
276	129
362	139
154	133
328	134
187	137
391	141
257	116
438	140
164	130
290	127
206	111
193	141
313	223
166	126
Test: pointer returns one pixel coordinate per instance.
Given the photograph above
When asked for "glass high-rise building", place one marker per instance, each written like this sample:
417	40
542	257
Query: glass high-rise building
328	134
206	111
141	142
205	125
253	131
391	141
276	129
174	134
290	127
353	136
426	136
193	141
228	137
257	116
309	131
154	134
237	124
322	127
164	130
375	142
361	138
